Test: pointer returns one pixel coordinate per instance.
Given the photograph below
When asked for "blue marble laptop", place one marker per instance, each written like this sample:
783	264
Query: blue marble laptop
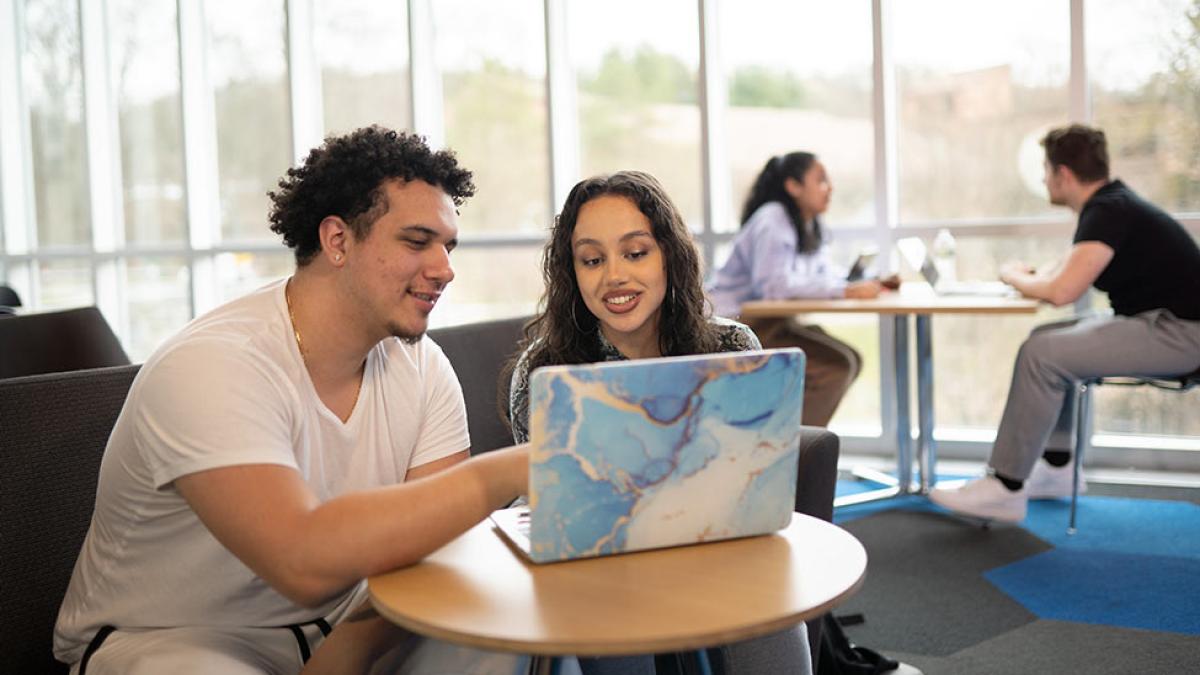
633	455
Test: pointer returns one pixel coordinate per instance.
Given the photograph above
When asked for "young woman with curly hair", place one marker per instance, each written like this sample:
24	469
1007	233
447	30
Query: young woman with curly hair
623	281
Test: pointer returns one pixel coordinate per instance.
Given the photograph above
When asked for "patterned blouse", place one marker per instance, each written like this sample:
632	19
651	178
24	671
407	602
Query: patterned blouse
731	337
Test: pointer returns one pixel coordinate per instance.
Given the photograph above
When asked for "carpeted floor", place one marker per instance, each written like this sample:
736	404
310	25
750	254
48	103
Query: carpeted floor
946	595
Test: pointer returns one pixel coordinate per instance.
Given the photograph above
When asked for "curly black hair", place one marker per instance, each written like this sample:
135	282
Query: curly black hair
345	177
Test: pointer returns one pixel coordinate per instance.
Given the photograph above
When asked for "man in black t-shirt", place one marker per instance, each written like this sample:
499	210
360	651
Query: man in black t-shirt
1150	268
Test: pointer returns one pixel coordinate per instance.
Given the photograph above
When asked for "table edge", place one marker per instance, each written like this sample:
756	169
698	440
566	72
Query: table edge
671	644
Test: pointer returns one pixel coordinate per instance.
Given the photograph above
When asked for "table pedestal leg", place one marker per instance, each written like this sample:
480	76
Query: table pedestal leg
926	446
903	428
545	665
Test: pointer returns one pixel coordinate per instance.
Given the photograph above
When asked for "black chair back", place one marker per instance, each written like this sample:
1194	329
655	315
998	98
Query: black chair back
52	342
9	300
55	429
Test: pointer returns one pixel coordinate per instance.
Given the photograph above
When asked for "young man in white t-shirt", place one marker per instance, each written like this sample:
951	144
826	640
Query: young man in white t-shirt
289	444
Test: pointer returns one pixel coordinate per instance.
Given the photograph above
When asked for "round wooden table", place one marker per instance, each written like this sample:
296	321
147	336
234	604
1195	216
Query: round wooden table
478	591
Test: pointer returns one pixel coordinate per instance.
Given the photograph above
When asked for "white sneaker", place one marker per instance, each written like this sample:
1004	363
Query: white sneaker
985	498
1047	481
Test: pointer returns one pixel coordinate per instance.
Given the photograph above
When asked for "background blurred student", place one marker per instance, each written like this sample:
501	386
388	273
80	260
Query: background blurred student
781	252
623	281
1149	266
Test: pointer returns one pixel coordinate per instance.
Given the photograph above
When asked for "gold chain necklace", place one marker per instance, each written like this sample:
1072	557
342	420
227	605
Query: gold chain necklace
287	296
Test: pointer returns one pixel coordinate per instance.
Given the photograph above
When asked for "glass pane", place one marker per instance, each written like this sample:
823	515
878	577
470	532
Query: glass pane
54	92
240	273
859	412
1144	68
812	94
637	96
64	284
493	60
1145	411
144	45
159	304
478	293
247	58
363	50
972	105
985	346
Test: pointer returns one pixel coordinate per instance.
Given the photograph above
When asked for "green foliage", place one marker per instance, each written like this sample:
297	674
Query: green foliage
495	122
646	76
761	87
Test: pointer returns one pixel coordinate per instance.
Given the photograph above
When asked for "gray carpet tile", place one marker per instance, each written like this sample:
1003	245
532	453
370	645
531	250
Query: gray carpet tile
924	592
1063	647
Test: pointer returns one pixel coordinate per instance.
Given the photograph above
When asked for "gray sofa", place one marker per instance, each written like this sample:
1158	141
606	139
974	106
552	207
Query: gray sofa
55	427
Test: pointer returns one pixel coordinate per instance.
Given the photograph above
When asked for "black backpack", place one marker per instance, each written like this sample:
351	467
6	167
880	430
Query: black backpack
840	656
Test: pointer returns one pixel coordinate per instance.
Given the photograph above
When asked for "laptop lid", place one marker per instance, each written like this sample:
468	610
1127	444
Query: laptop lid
633	455
912	249
862	263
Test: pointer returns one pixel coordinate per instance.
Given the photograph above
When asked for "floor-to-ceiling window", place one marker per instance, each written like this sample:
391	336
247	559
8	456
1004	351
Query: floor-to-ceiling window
139	140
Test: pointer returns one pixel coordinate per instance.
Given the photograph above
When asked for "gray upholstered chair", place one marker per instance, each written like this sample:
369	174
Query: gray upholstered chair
1083	426
478	352
55	427
51	342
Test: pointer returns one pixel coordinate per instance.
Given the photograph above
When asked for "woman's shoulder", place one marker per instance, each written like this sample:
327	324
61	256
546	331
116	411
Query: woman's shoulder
521	364
771	212
771	220
733	336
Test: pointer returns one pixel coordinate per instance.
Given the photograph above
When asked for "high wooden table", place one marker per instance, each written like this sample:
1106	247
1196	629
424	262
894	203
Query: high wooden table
479	592
913	299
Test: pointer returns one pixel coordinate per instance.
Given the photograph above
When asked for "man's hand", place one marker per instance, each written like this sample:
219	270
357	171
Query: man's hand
863	290
1015	269
1065	283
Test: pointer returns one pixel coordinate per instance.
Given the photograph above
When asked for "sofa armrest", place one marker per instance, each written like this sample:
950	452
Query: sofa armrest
816	476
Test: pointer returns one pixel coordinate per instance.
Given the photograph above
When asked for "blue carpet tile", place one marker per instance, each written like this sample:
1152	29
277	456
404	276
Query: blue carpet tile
1133	563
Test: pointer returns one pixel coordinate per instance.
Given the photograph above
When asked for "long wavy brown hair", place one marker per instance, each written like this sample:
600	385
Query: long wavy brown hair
564	331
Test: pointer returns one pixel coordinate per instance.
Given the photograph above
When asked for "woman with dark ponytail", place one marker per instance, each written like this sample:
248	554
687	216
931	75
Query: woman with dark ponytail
781	253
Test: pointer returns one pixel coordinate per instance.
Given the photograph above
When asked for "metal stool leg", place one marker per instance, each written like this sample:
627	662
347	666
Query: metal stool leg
1083	436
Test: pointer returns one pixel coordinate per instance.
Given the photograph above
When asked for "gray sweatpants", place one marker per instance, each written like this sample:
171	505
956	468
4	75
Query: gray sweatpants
1040	411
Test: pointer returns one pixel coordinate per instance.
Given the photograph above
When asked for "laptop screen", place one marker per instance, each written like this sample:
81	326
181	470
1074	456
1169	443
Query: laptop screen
912	249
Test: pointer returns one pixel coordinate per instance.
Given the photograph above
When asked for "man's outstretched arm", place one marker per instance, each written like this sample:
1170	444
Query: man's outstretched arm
309	551
1064	283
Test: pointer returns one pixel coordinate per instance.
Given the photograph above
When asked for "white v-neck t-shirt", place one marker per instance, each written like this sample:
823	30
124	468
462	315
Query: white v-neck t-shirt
231	389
